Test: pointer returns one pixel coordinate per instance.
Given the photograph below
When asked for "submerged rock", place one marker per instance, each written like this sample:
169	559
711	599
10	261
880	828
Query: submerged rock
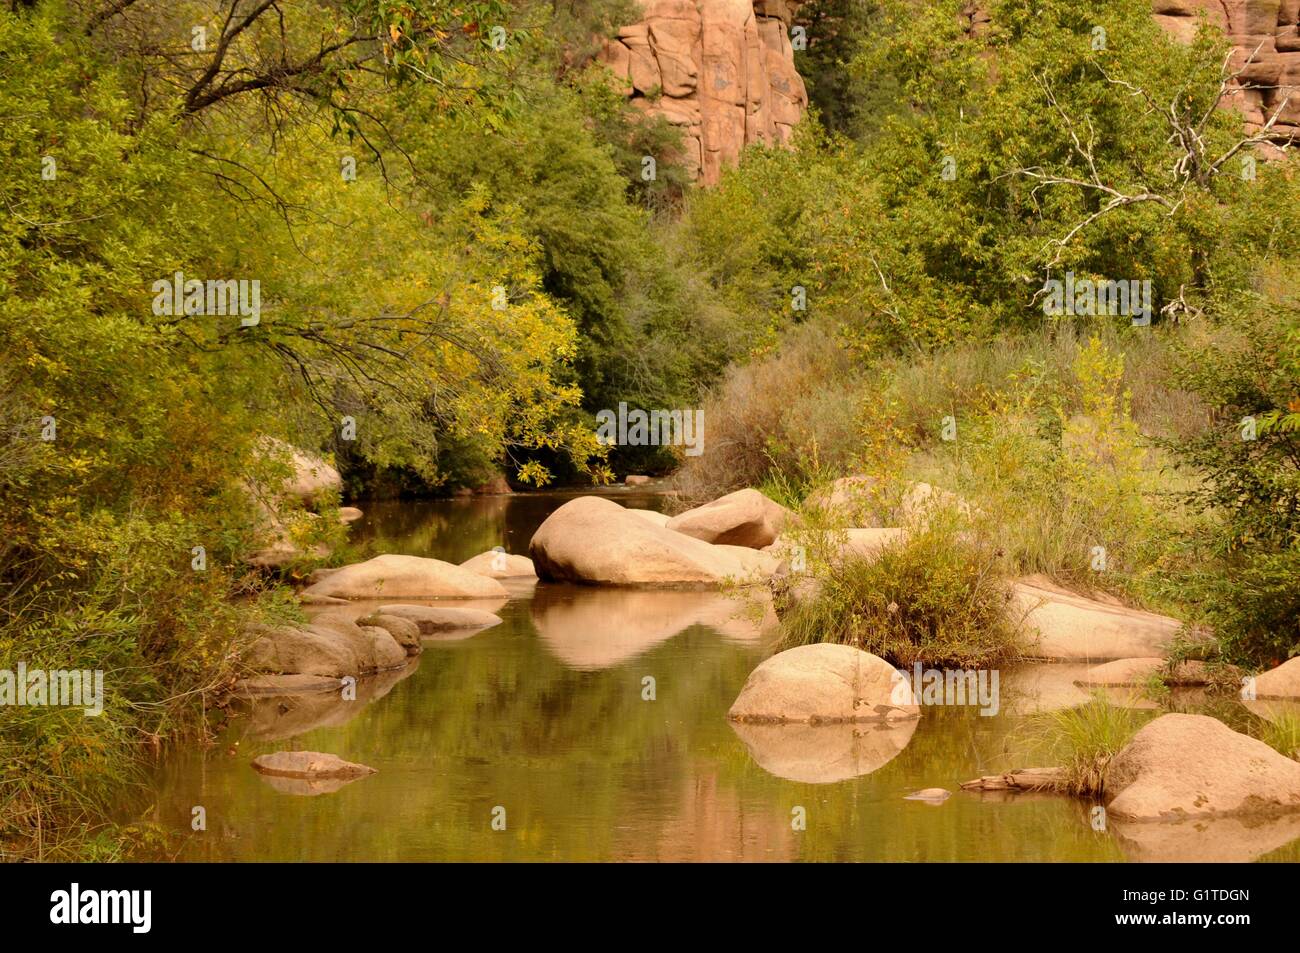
1188	765
308	773
744	518
824	683
405	577
309	764
434	620
934	796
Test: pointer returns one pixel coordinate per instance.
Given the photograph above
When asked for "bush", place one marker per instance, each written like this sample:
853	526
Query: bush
939	597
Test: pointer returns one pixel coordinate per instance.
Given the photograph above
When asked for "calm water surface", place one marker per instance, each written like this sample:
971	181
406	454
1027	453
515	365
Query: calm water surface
544	715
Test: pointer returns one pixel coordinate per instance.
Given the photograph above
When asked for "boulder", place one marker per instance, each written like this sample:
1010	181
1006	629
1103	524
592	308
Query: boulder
1137	672
406	577
658	519
851	499
331	647
312	480
496	564
635	479
1188	765
309	764
349	514
922	500
261	685
744	518
1281	682
1063	625
405	632
592	540
824	683
431	620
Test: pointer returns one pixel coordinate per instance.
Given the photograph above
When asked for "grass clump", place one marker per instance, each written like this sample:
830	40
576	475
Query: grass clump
938	596
1082	740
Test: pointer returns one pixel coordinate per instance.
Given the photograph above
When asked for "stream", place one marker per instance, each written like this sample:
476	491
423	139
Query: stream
543	723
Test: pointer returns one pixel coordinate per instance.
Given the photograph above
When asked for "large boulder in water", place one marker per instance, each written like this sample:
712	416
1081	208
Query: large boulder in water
824	683
744	518
1063	625
330	647
406	577
1185	765
593	540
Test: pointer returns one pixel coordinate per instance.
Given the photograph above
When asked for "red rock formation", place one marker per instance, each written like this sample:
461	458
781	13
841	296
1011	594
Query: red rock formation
722	70
1267	51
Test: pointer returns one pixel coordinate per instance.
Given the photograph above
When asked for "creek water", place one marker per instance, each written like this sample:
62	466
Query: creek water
547	717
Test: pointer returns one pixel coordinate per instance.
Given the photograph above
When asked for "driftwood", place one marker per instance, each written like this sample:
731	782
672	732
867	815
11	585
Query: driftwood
1021	779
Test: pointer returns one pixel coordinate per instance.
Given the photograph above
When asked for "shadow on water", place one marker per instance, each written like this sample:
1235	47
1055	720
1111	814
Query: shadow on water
549	716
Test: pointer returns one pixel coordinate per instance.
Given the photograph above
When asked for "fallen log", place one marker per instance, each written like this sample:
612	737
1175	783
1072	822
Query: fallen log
1021	779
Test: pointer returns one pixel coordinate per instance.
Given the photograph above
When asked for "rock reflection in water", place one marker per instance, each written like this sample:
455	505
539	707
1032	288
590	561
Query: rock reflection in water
824	754
276	717
590	629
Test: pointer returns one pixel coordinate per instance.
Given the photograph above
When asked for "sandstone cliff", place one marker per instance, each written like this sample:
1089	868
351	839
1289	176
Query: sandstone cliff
1265	28
722	70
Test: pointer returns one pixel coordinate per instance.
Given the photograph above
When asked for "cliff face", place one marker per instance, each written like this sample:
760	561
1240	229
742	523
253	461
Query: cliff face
1273	74
722	70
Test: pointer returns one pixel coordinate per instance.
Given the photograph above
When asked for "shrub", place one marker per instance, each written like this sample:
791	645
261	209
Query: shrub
938	597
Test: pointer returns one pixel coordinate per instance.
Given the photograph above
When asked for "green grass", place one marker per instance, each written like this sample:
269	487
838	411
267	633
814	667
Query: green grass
1082	740
939	597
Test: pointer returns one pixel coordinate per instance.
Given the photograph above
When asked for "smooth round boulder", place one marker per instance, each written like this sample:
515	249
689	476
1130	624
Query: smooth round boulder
636	479
349	514
404	631
824	683
592	540
496	564
406	577
744	518
1188	765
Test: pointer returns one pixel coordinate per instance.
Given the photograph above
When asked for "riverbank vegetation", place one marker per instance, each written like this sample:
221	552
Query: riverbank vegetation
459	263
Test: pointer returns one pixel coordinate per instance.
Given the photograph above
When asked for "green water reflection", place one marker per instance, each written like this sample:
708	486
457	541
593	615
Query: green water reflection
544	716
